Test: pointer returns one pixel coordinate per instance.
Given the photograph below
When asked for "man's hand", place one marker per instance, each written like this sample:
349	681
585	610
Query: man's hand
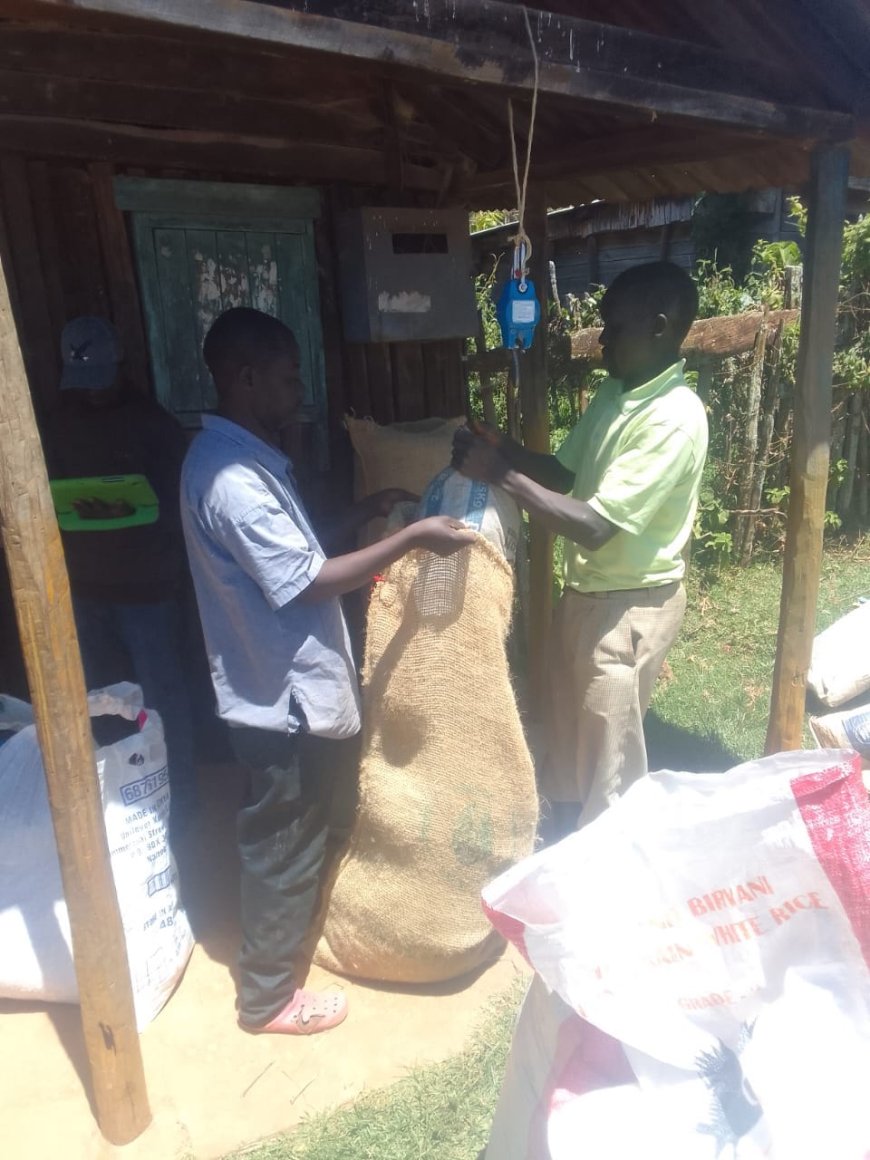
442	535
491	434
381	503
478	455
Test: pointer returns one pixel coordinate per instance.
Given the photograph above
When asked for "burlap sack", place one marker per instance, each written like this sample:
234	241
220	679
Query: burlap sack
405	455
447	788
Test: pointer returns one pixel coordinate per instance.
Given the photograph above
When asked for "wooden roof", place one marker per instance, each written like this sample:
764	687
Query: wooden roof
638	98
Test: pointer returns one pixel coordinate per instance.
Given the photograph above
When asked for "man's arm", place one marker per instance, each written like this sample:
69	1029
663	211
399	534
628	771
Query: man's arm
543	469
563	515
341	574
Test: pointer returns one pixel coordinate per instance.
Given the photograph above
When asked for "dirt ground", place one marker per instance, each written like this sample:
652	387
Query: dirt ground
212	1087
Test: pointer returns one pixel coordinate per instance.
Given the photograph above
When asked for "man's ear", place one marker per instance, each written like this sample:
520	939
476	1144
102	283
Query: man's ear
660	325
246	377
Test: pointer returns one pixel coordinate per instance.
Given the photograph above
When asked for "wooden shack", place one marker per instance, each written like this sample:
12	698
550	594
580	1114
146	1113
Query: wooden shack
590	245
152	153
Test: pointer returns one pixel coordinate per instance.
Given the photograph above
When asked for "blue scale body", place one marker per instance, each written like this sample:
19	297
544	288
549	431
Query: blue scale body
518	312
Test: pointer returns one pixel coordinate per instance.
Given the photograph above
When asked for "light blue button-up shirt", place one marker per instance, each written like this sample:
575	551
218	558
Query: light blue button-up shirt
275	663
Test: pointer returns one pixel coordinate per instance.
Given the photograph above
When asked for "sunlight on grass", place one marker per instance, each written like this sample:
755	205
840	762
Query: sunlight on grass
717	681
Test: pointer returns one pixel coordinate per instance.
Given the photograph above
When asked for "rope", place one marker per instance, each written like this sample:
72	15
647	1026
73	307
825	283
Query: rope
521	238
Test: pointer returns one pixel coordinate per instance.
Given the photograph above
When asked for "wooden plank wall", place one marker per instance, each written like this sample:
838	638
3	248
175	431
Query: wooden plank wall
69	253
401	382
67	245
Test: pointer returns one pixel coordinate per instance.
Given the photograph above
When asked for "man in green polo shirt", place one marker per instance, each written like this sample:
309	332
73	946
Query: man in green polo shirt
622	491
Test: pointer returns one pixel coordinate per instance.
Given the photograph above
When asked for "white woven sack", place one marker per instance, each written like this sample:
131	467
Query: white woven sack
35	941
840	665
707	945
482	506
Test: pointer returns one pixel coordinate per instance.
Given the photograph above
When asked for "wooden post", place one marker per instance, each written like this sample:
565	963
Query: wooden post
534	388
121	278
594	266
43	609
769	406
810	447
485	377
745	525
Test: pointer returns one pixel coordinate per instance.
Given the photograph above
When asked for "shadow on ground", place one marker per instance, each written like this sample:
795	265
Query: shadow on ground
670	747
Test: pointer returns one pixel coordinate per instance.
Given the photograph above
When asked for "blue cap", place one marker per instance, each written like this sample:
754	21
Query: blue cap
91	350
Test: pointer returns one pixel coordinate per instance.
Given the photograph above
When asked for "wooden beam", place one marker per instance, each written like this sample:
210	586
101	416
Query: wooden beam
708	338
810	448
650	145
181	107
770	31
534	395
48	639
833	53
41	178
485	41
31	296
233	199
121	277
210	151
441	109
783	164
160	55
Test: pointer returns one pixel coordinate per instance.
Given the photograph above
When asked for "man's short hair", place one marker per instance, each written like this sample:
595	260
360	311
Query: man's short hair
244	337
668	288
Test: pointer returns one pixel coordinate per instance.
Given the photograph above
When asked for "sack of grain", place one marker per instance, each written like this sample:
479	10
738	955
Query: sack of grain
447	788
840	666
486	508
405	455
847	730
36	960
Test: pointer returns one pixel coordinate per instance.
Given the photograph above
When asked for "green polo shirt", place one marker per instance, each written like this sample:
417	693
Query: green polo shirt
637	457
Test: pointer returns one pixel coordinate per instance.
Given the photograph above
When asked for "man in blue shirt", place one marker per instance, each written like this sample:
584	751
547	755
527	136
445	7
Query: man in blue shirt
278	647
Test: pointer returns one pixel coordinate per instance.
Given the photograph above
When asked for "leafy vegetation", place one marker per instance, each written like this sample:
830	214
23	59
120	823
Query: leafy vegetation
711	704
749	398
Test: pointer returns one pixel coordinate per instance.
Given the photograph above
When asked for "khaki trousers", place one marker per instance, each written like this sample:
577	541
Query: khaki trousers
606	651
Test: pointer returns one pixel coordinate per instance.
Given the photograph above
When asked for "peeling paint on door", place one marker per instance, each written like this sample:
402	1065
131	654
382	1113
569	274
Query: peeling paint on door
263	267
193	268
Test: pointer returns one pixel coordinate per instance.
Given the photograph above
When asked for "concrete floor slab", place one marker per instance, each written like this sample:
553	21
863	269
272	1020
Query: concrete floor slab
212	1087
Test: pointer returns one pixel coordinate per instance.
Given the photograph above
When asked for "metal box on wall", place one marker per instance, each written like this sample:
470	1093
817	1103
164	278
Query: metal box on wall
405	274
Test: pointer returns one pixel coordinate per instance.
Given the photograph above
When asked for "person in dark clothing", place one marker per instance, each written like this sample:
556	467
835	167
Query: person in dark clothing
126	583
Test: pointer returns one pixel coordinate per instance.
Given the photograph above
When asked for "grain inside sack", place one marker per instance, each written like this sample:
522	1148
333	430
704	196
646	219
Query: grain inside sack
447	789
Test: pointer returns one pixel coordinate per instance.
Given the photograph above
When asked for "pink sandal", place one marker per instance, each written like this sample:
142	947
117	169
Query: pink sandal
307	1013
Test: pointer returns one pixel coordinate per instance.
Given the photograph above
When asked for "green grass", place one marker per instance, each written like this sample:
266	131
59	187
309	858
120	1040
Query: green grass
442	1112
709	711
710	708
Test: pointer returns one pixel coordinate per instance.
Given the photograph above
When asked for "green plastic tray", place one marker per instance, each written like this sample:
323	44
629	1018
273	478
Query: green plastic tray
135	489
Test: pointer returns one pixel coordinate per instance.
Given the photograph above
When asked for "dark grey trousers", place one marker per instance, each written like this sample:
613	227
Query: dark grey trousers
281	830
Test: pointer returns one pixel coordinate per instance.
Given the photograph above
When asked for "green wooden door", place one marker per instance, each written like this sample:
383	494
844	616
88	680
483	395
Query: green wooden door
192	266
